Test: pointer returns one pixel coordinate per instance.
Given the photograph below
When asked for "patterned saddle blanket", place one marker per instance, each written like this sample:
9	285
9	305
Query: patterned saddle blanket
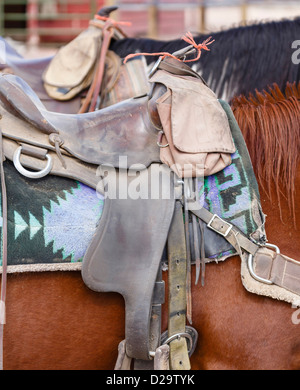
52	220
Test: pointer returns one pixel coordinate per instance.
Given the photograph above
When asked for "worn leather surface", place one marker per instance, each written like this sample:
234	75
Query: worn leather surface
98	138
123	129
72	68
74	61
195	108
205	146
278	268
126	250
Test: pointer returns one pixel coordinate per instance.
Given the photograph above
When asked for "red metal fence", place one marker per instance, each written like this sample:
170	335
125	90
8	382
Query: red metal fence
41	21
58	21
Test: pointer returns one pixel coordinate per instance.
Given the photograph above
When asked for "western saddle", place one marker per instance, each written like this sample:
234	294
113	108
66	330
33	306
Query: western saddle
161	143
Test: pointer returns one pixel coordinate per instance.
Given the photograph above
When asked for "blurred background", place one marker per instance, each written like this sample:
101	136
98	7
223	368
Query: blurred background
48	24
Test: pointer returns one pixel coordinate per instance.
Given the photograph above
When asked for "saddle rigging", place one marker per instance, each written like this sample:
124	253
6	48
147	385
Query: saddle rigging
119	151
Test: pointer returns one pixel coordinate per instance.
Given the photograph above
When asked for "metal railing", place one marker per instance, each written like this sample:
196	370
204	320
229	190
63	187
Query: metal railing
155	8
58	19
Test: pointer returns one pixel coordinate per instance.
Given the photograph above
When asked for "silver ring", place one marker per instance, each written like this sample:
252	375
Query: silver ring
178	336
32	175
159	139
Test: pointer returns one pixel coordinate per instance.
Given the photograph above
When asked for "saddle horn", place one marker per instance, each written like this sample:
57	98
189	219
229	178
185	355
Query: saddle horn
106	11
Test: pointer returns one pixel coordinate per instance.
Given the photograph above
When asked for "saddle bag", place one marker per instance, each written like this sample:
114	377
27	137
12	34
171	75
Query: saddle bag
195	138
72	68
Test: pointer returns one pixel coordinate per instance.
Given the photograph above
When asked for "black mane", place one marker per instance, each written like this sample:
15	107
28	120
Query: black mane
241	59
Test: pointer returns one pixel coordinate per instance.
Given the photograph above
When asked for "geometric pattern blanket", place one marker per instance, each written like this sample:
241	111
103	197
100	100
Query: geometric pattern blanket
52	220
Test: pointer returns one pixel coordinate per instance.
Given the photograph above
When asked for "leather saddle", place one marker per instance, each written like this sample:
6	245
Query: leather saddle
117	151
96	138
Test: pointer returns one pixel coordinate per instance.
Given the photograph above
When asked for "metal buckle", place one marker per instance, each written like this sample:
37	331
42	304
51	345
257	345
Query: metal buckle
224	222
251	269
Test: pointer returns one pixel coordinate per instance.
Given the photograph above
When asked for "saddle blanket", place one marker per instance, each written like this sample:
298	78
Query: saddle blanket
52	220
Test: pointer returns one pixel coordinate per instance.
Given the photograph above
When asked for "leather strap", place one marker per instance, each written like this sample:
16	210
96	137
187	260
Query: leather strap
231	233
107	35
93	92
179	358
272	267
4	251
279	269
178	68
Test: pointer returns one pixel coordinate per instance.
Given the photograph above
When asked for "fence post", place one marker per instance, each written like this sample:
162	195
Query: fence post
243	12
93	8
152	20
33	11
2	18
202	11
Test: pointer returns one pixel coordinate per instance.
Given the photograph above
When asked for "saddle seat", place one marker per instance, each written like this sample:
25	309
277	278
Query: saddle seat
100	137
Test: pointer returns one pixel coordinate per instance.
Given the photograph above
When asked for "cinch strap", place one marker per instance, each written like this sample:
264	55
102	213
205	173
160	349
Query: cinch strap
270	267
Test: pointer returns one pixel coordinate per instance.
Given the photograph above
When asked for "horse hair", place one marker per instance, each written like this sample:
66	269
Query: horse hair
270	123
241	59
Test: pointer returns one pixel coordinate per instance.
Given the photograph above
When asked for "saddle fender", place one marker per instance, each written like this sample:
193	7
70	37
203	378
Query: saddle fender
125	253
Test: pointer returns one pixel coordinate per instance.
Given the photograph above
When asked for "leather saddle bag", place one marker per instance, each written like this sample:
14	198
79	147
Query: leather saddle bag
72	69
195	137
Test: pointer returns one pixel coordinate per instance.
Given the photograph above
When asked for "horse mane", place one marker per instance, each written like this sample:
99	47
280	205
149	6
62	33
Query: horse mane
270	123
241	59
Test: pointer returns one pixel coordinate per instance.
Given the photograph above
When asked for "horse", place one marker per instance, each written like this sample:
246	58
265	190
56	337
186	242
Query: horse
55	322
241	59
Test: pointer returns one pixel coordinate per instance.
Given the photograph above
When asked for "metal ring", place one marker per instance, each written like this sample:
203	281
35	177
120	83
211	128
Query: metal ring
32	175
159	138
188	330
251	269
178	336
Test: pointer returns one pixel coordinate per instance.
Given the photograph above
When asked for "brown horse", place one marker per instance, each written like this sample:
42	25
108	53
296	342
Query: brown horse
55	322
